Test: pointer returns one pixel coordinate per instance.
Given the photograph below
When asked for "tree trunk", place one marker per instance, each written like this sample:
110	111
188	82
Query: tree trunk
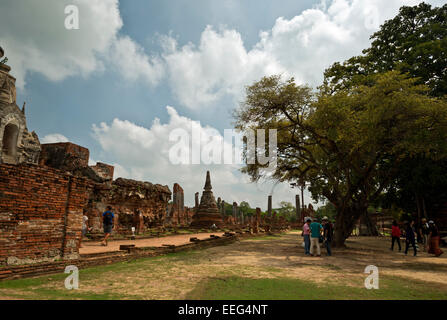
345	221
418	206
371	228
424	210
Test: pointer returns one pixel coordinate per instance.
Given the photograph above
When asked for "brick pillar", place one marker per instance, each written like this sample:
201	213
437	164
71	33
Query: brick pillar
269	206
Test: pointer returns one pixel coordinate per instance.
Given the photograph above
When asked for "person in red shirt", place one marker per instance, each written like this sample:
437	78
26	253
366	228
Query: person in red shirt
395	235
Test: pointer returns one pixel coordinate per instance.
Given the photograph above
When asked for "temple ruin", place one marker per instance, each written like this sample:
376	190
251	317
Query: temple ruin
207	213
46	188
17	144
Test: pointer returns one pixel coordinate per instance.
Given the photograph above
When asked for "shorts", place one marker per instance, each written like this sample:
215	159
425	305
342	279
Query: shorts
108	228
84	231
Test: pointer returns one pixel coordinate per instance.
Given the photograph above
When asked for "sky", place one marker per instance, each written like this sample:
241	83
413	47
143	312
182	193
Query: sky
136	70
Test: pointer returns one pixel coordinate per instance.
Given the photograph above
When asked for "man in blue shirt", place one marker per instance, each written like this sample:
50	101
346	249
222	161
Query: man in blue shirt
107	222
315	233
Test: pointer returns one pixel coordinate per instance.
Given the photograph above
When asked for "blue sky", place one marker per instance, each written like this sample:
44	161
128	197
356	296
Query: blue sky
103	86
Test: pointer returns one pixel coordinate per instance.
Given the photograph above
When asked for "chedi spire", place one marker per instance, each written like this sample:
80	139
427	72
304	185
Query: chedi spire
208	213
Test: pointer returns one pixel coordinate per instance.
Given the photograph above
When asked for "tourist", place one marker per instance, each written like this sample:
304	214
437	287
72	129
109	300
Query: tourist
434	238
419	237
410	237
315	234
306	235
107	220
328	230
395	235
84	228
425	232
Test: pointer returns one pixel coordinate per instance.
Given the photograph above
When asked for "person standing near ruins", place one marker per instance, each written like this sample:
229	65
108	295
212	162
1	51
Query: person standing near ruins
433	239
107	221
425	230
315	233
328	231
410	237
306	236
84	228
395	235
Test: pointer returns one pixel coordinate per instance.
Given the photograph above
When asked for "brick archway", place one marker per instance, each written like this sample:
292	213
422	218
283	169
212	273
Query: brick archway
10	137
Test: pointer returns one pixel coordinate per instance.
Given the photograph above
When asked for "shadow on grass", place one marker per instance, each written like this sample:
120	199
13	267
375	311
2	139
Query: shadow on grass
239	288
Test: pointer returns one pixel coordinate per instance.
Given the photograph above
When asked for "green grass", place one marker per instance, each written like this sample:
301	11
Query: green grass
238	288
37	288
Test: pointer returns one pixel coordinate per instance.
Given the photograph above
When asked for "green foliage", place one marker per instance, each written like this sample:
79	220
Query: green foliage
348	144
414	42
327	210
372	115
286	210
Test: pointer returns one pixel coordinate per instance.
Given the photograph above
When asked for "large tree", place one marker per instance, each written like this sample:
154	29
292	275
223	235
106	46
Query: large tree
414	42
348	144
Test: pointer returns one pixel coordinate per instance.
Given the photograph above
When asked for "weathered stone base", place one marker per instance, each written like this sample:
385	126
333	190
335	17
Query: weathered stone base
206	221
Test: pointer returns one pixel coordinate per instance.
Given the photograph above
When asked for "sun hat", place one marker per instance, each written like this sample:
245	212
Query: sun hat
325	218
431	222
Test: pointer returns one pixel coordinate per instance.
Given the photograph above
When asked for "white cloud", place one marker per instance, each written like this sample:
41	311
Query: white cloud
133	63
220	65
54	138
303	47
143	153
35	40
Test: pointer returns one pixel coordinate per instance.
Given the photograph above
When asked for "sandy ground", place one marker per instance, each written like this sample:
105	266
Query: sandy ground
269	257
173	277
96	247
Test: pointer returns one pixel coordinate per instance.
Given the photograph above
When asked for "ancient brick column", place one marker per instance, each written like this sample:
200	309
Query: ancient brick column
178	203
234	210
298	208
223	208
269	206
257	218
196	199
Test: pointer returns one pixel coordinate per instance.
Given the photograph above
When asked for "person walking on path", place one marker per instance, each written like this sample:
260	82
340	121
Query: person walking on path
433	239
306	236
107	221
410	237
425	232
315	233
395	235
328	231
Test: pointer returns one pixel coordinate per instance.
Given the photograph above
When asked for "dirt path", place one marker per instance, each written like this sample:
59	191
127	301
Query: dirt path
272	257
96	247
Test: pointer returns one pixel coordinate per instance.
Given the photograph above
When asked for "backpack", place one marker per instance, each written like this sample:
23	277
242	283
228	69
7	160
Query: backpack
107	218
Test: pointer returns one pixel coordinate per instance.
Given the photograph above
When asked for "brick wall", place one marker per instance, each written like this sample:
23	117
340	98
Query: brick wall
40	214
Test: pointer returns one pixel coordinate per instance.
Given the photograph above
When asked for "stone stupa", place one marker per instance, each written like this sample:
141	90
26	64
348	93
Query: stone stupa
208	213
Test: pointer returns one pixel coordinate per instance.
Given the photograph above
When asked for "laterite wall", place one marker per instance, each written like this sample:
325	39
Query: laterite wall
40	214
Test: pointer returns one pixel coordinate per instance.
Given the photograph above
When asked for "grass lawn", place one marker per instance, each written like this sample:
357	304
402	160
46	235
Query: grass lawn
238	288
